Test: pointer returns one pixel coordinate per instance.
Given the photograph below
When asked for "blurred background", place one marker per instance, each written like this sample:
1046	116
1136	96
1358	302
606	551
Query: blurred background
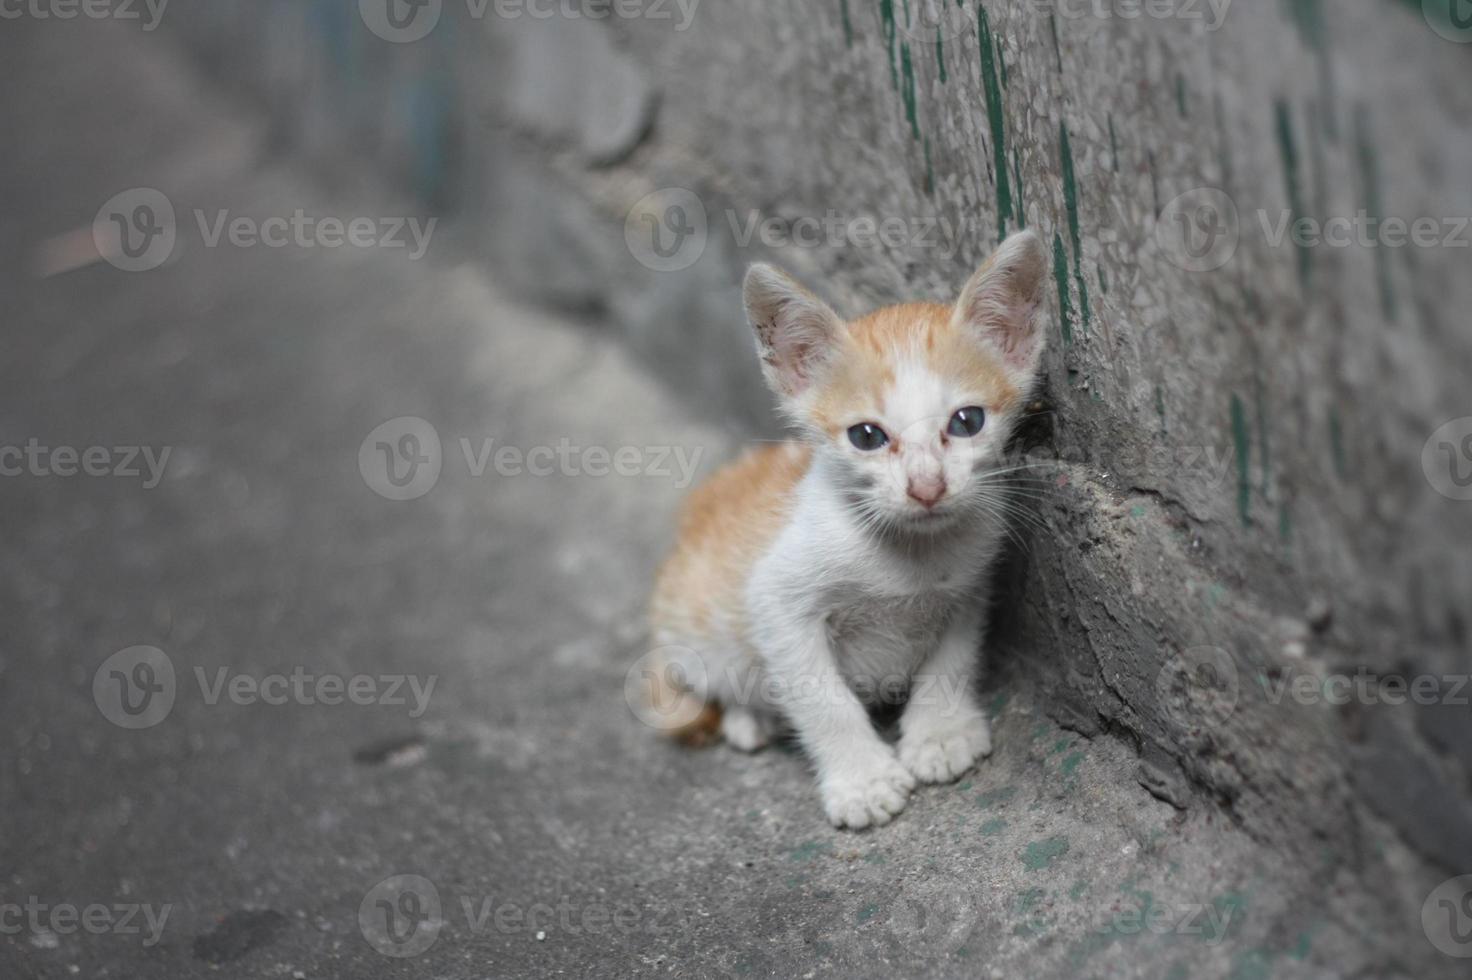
356	356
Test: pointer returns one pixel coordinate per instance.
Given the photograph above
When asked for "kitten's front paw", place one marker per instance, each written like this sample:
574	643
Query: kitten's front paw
871	796
942	754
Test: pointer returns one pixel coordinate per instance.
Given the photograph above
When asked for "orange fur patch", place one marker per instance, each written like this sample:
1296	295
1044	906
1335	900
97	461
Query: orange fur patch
863	367
727	524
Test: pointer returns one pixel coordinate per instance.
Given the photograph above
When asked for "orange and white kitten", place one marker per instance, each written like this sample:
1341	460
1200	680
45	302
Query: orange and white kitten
811	578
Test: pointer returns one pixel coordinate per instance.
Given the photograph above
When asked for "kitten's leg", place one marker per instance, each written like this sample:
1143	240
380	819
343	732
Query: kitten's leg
943	730
744	729
861	781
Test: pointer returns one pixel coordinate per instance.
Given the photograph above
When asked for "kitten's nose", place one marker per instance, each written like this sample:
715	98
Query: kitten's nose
927	491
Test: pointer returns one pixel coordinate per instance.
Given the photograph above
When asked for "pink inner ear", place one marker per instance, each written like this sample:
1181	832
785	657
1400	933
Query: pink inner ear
1006	324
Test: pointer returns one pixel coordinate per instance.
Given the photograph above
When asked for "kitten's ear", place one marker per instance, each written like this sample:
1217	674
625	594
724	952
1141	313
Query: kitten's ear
999	304
795	331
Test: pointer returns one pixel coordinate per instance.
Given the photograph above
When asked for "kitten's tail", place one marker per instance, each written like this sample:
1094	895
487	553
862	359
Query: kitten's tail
676	711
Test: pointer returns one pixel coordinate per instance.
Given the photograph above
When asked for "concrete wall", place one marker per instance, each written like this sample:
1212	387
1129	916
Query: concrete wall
1239	425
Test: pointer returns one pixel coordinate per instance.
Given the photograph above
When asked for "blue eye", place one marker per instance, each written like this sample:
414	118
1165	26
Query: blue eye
966	423
868	437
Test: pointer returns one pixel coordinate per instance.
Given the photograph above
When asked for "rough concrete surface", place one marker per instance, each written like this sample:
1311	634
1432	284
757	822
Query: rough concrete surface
1130	824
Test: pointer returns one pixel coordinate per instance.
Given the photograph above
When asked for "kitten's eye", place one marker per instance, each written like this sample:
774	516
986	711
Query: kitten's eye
966	423
868	437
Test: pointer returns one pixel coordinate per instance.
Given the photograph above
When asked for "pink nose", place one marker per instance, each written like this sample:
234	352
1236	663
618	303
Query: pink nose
927	493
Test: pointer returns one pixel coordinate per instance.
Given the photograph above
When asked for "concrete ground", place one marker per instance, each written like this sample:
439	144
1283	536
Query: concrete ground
553	832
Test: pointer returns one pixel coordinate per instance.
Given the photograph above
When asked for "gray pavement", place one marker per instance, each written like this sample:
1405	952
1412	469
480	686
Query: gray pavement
560	837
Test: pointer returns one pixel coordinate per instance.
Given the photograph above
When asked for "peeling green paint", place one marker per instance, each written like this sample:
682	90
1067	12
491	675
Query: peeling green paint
1040	855
907	68
1057	44
1070	201
1113	143
1020	211
1065	302
1264	451
996	797
1288	149
891	34
993	827
1242	439
1369	165
866	913
940	55
848	23
810	850
1071	762
995	119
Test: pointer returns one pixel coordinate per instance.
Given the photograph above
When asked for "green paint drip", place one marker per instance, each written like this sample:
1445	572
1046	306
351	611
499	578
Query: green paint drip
1181	96
1103	277
1288	146
940	55
1113	143
929	169
1070	200
848	23
907	67
995	119
1243	441
1262	438
1057	45
1041	854
1369	162
1065	302
1285	524
891	33
1160	406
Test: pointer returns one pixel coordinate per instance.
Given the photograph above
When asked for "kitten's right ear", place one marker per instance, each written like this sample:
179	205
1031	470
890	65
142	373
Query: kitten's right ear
795	331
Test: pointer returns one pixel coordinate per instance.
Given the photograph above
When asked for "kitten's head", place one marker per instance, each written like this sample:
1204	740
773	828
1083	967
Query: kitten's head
910	406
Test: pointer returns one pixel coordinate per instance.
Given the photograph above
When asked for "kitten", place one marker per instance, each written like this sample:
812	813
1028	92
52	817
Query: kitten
816	576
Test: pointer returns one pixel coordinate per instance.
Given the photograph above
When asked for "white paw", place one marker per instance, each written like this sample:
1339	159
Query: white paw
744	731
869	796
942	754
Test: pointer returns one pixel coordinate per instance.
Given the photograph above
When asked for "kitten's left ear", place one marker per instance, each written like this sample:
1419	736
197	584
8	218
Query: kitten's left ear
999	305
